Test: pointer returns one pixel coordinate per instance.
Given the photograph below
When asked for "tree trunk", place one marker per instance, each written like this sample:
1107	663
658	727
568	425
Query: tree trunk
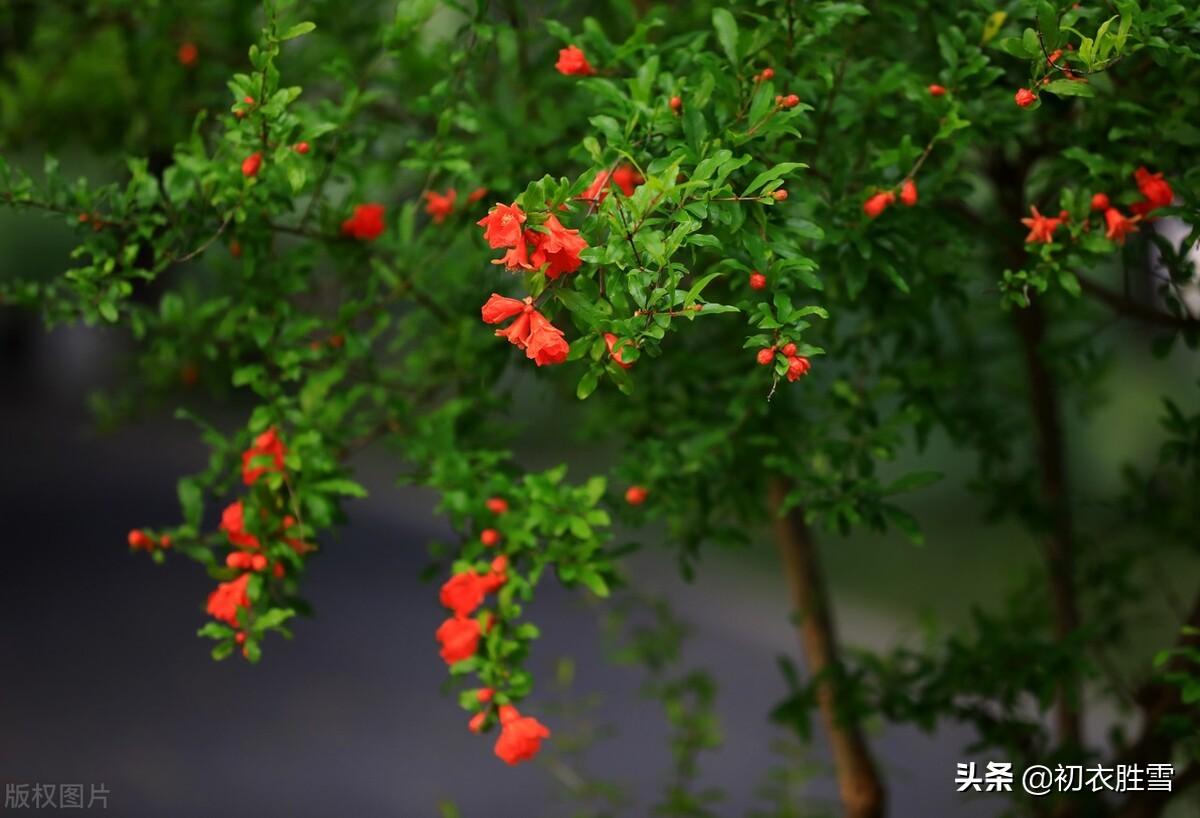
859	783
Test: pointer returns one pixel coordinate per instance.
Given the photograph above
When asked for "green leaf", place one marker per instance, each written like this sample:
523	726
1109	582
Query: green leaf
727	33
1048	23
771	175
341	485
910	482
1070	88
298	30
587	384
593	581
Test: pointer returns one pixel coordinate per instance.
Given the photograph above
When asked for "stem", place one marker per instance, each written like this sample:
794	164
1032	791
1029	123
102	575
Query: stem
1059	545
859	783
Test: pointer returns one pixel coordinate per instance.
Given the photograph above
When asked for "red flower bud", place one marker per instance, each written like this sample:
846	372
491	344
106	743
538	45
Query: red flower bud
610	340
789	350
187	54
797	368
767	73
878	203
758	281
489	537
636	495
1025	98
301	147
240	637
908	193
1100	201
790	101
676	104
936	90
765	356
140	539
475	725
484	694
497	505
248	100
780	195
258	562
251	164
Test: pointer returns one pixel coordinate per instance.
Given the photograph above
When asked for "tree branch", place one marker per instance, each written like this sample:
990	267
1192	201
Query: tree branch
859	783
1059	543
1126	306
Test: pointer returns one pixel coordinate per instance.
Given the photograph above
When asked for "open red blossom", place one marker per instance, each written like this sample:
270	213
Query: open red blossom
798	367
546	344
227	599
627	179
878	203
1119	225
542	341
463	593
520	736
266	445
502	226
234	526
1041	228
908	193
439	205
572	61
459	638
476	194
366	224
610	340
559	247
517	258
1157	191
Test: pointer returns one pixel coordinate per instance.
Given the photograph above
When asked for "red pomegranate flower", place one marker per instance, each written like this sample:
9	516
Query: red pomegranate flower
234	526
1041	228
366	224
520	736
459	638
228	598
559	247
266	445
439	205
1119	226
502	226
572	61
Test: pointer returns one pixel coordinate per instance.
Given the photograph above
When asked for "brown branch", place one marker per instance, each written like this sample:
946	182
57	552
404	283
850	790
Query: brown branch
1126	306
859	782
1060	539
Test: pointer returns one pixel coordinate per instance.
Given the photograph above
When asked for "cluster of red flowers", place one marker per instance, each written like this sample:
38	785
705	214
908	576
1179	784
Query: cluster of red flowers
520	736
797	365
366	223
542	341
439	206
1156	193
881	201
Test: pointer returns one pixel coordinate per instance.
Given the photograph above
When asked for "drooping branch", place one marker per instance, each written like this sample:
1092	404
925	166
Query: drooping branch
859	783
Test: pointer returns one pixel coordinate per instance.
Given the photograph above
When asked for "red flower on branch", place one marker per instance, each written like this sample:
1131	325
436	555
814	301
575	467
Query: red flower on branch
908	193
502	226
1041	228
520	736
234	525
573	62
542	341
463	593
1156	190
1119	225
366	224
878	203
266	445
459	638
438	205
227	599
559	247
